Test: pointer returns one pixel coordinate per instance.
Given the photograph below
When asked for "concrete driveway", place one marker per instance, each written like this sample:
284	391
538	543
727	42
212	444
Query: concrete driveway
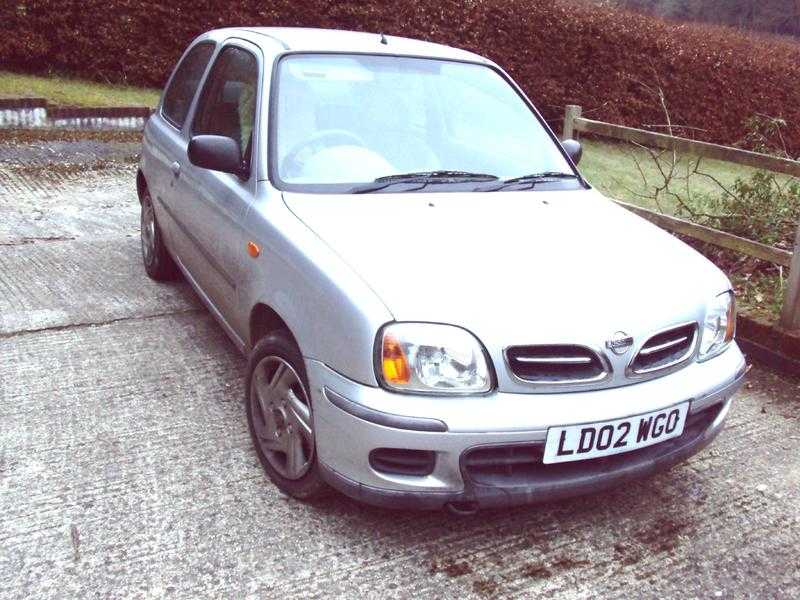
126	469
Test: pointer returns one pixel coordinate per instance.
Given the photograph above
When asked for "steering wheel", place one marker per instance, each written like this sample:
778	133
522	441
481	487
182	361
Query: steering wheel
292	165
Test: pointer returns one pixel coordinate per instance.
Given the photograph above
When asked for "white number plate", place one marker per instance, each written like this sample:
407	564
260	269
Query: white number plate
593	440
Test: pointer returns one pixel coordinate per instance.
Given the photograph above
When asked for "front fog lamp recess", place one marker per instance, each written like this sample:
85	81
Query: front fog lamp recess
432	358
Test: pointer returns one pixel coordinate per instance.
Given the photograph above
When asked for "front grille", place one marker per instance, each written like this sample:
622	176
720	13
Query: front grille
555	364
521	464
399	461
665	350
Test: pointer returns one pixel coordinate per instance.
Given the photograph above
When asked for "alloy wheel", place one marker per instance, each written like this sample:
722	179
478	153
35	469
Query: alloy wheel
282	417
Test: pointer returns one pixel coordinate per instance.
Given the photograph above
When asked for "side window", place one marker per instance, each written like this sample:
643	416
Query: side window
227	103
178	96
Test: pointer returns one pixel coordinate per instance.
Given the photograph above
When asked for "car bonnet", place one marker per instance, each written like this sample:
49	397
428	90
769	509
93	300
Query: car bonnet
515	267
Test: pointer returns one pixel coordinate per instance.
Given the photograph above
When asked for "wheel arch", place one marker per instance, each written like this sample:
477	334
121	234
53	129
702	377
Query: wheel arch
263	320
141	184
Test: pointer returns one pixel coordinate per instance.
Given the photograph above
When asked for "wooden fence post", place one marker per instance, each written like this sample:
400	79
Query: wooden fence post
570	114
790	314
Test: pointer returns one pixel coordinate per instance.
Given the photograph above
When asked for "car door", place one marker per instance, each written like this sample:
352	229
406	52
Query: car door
165	149
212	204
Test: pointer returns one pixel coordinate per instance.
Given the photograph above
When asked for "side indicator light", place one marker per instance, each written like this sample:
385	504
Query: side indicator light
253	249
730	332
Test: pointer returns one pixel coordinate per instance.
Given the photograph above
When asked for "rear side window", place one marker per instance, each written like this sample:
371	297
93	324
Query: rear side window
180	92
227	104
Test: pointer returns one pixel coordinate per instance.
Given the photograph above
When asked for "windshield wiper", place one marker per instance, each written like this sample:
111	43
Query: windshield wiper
532	179
460	175
424	178
540	176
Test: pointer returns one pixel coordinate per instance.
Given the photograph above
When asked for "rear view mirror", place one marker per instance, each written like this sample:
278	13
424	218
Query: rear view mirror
216	152
574	150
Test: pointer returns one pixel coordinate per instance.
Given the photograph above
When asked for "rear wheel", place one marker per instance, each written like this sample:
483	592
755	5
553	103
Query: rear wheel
157	261
279	416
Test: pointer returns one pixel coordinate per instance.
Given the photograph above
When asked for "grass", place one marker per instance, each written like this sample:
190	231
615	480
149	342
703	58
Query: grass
760	293
65	91
612	169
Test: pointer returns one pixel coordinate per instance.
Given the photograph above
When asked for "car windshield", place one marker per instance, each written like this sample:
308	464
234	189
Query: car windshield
343	120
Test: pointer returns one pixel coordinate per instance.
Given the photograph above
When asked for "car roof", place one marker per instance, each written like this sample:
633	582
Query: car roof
298	39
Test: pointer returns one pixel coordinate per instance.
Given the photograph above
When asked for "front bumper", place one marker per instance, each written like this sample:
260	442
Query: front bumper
351	420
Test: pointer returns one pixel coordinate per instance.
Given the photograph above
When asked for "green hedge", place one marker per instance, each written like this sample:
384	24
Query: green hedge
561	52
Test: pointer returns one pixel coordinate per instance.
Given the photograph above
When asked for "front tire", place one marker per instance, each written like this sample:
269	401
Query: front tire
157	262
279	416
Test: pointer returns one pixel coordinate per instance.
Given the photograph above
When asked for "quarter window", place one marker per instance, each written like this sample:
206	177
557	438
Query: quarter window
227	103
183	86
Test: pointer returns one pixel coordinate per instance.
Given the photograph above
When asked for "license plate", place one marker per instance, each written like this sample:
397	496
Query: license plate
594	440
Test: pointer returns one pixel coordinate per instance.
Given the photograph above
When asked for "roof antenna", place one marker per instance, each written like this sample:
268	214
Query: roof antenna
384	41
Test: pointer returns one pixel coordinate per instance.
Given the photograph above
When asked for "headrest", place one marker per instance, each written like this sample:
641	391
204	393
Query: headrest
232	92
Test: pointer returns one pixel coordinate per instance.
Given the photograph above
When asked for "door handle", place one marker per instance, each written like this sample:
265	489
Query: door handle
175	168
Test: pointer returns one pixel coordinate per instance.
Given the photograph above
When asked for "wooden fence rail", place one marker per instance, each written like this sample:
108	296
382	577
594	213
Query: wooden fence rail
713	236
574	124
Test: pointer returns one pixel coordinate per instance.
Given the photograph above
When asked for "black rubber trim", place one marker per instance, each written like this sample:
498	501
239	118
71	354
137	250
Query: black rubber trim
382	418
393	499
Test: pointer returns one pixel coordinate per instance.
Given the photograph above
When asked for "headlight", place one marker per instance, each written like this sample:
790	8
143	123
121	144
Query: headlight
430	358
719	326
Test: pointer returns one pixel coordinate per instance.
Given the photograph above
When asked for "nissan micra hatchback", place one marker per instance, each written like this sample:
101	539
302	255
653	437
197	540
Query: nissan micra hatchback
438	310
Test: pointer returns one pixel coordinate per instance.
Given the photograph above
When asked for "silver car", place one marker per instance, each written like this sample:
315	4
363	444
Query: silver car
438	310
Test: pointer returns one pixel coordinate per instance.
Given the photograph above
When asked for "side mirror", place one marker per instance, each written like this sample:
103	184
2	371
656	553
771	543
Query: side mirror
216	152
574	150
